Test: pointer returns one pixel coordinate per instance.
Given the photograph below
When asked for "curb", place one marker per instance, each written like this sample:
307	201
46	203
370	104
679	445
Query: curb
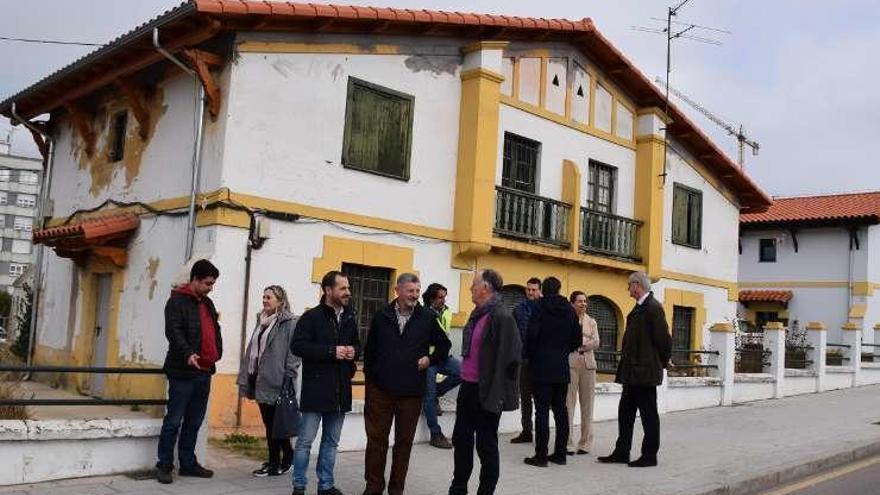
785	474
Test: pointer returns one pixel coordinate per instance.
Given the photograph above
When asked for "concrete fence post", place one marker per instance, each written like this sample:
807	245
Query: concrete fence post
852	336
774	340
817	338
877	335
723	340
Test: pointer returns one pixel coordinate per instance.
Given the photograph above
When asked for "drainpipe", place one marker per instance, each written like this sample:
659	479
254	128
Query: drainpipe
199	125
45	186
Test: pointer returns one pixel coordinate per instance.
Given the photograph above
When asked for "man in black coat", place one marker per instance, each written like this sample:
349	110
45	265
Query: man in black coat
396	358
194	345
326	338
553	333
647	346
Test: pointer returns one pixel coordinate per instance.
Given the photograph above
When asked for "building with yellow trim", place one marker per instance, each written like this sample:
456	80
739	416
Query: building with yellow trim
821	253
335	139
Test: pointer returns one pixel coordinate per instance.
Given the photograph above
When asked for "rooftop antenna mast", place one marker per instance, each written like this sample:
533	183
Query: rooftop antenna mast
675	30
738	132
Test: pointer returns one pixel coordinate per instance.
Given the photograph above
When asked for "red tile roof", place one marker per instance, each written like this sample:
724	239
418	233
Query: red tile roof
197	21
864	207
778	296
89	230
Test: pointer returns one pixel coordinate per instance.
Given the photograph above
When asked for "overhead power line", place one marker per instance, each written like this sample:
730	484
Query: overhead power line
49	42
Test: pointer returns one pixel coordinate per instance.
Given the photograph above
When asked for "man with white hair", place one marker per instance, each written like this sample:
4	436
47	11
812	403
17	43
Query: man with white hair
646	350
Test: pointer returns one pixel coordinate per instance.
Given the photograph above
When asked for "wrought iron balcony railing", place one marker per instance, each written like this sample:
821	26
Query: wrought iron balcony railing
530	217
610	235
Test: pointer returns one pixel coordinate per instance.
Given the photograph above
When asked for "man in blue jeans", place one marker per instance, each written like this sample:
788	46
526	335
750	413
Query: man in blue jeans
326	338
435	300
194	345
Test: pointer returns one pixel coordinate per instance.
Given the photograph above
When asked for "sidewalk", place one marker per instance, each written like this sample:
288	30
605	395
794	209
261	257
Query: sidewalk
702	451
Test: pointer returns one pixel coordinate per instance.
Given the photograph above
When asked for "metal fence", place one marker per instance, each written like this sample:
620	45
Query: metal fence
92	401
608	234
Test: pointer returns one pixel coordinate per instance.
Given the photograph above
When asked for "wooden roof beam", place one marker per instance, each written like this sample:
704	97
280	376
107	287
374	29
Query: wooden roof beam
82	122
200	60
137	100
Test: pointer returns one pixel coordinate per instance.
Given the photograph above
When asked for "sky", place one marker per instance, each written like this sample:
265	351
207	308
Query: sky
799	75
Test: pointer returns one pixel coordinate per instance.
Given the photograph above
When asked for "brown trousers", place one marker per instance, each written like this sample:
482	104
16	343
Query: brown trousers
380	410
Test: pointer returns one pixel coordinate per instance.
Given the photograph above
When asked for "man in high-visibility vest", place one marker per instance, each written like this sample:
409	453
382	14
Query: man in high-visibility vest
435	300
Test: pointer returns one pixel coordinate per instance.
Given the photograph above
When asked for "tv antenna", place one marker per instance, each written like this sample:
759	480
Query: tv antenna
677	30
738	132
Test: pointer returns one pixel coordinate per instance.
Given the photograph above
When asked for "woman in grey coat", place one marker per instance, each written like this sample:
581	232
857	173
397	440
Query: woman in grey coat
266	365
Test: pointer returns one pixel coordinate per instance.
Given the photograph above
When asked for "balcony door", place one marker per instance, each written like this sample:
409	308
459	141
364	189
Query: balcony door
520	166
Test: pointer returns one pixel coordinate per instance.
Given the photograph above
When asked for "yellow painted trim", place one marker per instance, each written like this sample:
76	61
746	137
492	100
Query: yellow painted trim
514	91
465	304
851	327
687	299
542	84
751	313
592	111
223	216
877	327
571	194
613	114
484	45
300	47
774	326
695	279
480	72
338	250
858	311
649	204
474	202
568	86
565	256
864	288
560	119
816	326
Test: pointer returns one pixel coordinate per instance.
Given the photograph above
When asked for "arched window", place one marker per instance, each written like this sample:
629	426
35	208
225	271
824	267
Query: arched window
511	296
605	313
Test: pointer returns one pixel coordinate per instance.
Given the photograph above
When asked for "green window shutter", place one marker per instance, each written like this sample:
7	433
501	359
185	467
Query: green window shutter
695	219
378	130
679	216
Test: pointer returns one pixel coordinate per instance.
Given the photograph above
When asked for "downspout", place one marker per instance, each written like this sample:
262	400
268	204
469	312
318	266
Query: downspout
45	186
245	301
199	125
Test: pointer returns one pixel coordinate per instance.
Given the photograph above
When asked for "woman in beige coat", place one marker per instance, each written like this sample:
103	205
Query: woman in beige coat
583	376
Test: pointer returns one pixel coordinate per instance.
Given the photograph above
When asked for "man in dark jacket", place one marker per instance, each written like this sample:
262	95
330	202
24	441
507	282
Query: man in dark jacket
553	333
647	347
326	338
194	345
491	350
522	313
396	358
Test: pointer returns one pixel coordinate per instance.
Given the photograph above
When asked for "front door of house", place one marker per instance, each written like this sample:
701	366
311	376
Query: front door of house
103	283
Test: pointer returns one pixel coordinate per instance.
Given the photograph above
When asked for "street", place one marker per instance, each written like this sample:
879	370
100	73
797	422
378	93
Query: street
860	478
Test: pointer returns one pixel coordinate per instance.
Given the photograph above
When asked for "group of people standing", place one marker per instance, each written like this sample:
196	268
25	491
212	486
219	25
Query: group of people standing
543	352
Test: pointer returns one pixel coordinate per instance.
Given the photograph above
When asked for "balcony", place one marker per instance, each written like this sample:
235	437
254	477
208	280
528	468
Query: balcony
609	235
532	218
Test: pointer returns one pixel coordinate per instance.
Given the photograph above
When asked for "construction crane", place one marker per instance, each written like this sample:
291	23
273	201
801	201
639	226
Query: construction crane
738	133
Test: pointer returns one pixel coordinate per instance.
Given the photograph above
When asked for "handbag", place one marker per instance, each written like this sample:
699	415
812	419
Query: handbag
285	423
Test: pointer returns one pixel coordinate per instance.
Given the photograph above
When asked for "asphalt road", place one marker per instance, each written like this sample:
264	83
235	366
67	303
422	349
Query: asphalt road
861	478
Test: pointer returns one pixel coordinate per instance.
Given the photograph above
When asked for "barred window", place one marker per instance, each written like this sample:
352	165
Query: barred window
370	289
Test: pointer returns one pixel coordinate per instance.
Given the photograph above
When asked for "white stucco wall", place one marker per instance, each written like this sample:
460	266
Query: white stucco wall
718	308
287	120
560	143
717	256
823	255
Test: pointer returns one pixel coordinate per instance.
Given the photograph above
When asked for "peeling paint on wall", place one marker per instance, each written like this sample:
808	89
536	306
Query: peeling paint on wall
152	268
102	171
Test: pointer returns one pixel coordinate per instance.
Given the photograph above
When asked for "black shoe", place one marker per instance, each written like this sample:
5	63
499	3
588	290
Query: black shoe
557	459
536	461
330	491
569	452
643	462
522	438
196	471
299	491
265	470
284	469
371	493
163	475
613	459
582	452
